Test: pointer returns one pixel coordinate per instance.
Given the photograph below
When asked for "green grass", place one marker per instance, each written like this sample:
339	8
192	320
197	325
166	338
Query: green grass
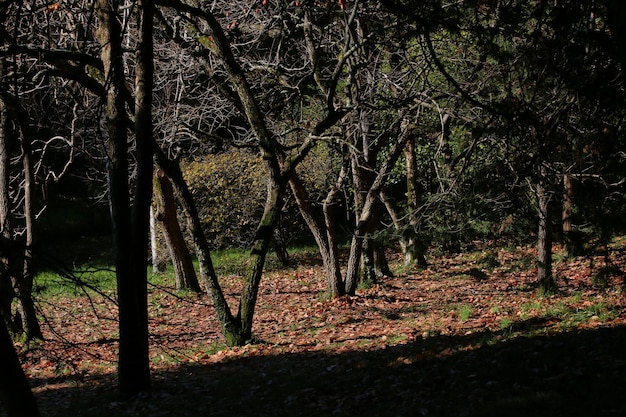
72	284
465	312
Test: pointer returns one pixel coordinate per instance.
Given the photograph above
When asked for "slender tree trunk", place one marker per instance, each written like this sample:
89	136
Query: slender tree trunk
336	286
158	265
572	238
414	253
262	241
230	327
26	311
321	226
19	267
166	214
6	288
15	393
544	241
363	221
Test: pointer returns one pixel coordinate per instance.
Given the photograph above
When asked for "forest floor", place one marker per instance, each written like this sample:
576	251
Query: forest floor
467	336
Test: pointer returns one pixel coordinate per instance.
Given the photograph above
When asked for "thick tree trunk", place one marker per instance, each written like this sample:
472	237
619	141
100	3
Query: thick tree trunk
544	242
130	229
184	272
572	238
137	370
15	393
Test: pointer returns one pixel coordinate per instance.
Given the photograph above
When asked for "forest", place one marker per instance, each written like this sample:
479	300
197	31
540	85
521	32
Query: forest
311	207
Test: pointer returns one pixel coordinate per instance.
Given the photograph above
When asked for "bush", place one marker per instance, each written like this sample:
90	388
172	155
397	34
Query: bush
229	190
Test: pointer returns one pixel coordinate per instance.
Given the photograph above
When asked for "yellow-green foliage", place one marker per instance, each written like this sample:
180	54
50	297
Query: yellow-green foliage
318	171
229	190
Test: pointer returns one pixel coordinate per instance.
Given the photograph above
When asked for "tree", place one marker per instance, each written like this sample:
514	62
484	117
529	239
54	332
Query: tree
166	214
280	165
130	223
538	71
15	393
6	289
21	276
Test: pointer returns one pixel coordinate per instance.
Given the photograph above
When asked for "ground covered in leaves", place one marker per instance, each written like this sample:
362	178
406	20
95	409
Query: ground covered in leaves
468	336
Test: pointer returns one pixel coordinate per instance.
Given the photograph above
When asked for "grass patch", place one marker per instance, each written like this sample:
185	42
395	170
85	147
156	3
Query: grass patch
76	283
465	312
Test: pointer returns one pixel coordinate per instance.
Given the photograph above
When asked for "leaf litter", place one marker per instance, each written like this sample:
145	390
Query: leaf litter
438	341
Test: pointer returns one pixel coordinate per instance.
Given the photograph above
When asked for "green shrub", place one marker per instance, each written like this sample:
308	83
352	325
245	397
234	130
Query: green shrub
230	190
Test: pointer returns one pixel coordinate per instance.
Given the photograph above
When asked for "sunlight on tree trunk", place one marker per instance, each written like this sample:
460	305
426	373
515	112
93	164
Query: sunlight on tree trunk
184	273
23	285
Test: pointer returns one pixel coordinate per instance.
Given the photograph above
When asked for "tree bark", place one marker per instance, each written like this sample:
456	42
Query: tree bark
572	238
6	288
362	224
208	276
130	229
322	228
414	249
262	241
158	265
544	242
26	312
15	392
166	214
137	372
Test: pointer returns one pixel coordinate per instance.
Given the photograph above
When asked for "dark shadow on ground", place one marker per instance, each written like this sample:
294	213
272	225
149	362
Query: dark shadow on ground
577	374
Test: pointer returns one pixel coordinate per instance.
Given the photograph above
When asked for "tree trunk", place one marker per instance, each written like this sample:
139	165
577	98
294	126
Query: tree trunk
544	242
363	221
321	226
18	268
158	265
6	288
26	312
230	327
572	238
166	214
15	393
262	241
414	252
130	229
138	371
